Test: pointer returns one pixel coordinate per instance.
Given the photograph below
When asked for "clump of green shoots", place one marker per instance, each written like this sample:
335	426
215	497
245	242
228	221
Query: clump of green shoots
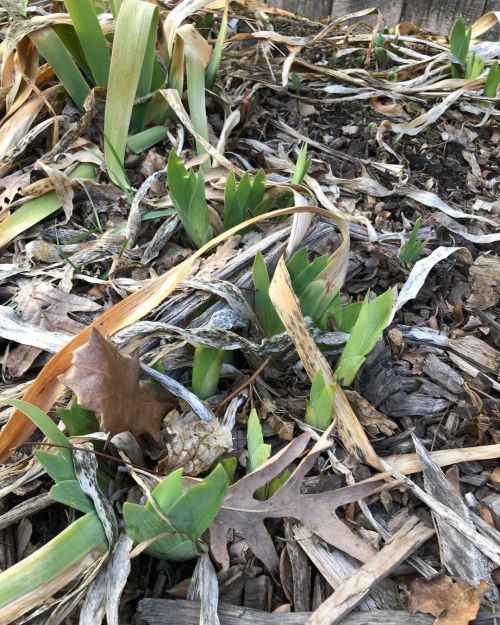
412	249
244	199
258	453
319	407
470	66
187	192
372	318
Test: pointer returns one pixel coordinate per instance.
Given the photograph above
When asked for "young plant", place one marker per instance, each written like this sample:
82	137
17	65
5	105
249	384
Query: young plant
412	249
319	407
207	363
301	166
259	453
370	323
242	200
492	81
173	520
187	192
459	47
306	282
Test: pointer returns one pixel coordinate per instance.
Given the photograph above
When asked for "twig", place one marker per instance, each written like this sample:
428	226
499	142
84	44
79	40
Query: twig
246	383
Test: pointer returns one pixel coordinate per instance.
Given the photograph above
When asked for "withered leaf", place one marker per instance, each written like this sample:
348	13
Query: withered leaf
245	514
453	602
108	383
374	422
193	444
48	307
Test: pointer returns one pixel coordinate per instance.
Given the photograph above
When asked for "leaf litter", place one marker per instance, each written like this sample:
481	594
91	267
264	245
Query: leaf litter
103	296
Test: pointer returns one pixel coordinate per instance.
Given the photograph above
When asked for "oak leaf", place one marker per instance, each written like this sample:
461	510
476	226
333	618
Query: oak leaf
245	514
108	383
452	601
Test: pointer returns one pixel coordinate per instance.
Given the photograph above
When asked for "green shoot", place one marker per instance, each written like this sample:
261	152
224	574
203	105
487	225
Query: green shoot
319	407
241	200
57	464
258	453
372	319
173	525
267	316
412	249
474	67
492	81
215	59
187	192
207	363
459	47
302	166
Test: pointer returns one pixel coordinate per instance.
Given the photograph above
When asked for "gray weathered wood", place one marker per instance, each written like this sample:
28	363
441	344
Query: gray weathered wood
317	9
356	587
438	17
172	612
25	509
493	5
391	9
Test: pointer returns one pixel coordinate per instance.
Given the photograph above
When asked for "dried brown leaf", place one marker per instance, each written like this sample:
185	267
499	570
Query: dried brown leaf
194	445
245	514
374	422
453	602
108	383
46	306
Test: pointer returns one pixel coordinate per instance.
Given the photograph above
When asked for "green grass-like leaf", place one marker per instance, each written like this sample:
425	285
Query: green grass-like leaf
35	210
91	38
242	200
62	63
302	166
130	75
459	47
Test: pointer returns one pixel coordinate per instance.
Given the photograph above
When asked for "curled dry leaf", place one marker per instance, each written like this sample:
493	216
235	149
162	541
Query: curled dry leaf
374	422
194	445
453	602
108	383
245	514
